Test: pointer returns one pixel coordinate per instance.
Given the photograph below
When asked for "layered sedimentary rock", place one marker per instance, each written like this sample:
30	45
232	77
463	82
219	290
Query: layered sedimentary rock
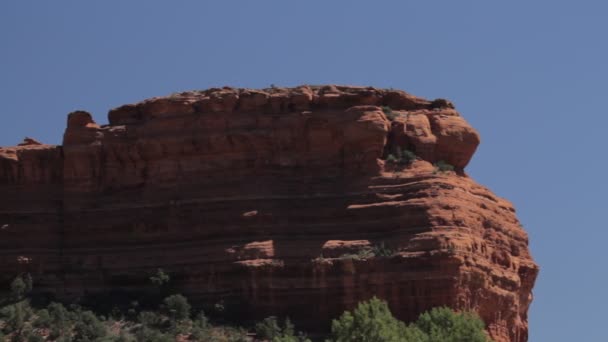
276	201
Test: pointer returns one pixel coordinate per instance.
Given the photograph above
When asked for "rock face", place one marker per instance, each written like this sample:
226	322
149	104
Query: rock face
276	201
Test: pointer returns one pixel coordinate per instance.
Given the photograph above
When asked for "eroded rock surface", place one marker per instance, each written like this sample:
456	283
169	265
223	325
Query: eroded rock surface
277	201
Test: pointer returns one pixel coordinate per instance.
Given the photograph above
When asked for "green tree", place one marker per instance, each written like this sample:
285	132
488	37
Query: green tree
59	320
444	325
160	278
43	320
18	288
150	319
29	282
15	318
268	328
177	307
371	321
89	327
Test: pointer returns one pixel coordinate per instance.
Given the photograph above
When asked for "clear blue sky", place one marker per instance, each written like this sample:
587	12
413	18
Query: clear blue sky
531	76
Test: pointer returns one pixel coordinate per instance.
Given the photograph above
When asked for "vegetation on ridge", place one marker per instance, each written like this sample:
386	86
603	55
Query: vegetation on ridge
173	319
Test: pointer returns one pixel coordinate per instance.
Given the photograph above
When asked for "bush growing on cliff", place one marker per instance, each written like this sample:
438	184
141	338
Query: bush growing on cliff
442	166
406	156
368	252
388	111
381	250
401	156
160	278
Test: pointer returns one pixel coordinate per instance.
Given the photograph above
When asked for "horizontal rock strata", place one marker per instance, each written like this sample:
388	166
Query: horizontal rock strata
275	202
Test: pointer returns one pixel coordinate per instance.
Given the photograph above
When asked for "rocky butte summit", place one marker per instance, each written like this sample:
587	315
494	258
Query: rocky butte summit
296	202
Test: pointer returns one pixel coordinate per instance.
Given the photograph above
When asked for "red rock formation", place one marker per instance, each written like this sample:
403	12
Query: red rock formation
273	199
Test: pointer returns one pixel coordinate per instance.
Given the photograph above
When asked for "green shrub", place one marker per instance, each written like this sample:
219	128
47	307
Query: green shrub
444	325
124	337
160	278
388	111
33	337
18	288
29	282
407	157
401	156
200	334
43	320
381	250
391	158
268	328
441	103
301	337
442	166
147	334
201	321
371	321
150	319
89	327
59	320
367	252
177	307
15	318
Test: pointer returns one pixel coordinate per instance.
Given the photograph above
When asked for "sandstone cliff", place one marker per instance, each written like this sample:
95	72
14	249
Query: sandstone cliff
280	201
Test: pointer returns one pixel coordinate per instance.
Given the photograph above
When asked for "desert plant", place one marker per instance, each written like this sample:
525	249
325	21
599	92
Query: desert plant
380	250
146	334
268	328
43	319
29	282
88	327
15	318
33	337
160	278
18	288
441	103
407	157
59	320
177	307
371	321
391	158
442	166
444	325
388	112
150	319
401	156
